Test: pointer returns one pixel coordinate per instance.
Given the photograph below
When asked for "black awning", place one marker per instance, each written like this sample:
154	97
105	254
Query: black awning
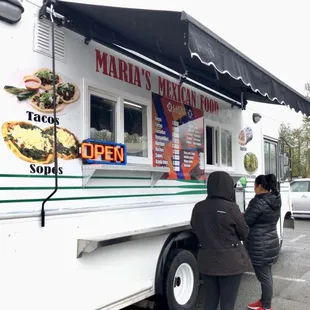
179	42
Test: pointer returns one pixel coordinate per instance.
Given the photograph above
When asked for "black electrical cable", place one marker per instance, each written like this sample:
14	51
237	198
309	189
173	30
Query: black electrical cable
55	127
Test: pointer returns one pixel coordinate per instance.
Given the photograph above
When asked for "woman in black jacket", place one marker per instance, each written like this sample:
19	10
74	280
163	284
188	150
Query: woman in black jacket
220	228
262	243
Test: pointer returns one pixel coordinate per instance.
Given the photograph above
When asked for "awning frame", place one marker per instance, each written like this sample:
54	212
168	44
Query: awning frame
89	36
239	80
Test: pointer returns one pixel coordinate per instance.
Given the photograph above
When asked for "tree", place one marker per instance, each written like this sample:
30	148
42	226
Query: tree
299	138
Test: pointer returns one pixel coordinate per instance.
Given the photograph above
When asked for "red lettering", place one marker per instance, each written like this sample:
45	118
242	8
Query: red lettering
201	102
216	108
148	85
162	87
188	97
112	68
209	105
101	61
183	95
168	89
123	76
174	91
130	73
193	98
137	77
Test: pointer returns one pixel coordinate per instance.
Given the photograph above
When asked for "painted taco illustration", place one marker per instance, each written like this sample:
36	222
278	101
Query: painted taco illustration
245	136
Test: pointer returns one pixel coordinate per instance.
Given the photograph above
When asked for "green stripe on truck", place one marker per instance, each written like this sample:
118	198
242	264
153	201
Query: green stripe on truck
197	192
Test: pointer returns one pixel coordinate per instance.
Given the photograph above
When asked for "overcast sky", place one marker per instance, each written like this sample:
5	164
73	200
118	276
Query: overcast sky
273	33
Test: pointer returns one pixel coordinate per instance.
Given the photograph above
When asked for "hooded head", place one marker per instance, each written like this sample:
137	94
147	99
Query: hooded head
221	185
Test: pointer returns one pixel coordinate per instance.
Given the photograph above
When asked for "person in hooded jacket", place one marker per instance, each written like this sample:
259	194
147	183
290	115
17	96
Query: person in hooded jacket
262	243
220	228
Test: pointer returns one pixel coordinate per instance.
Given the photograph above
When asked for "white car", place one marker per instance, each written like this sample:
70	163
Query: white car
300	195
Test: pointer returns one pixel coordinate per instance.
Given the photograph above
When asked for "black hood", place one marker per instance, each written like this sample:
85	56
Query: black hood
273	200
221	185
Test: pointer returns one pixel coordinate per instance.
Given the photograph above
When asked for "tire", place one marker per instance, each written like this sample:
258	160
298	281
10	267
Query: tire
181	280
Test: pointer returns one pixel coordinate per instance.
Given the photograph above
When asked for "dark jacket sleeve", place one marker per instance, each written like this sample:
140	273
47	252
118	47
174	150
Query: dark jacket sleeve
242	228
192	223
253	211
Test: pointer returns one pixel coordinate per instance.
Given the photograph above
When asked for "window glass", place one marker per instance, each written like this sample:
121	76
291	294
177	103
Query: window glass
302	186
216	146
210	145
102	118
226	148
266	157
273	159
135	129
270	155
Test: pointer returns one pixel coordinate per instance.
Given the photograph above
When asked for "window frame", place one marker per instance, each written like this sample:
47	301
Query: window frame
219	128
143	102
105	95
93	88
276	144
220	138
215	150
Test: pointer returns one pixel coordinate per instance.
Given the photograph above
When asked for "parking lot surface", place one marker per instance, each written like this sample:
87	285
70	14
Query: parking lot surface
291	274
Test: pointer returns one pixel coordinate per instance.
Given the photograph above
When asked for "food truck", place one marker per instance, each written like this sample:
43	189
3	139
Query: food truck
112	119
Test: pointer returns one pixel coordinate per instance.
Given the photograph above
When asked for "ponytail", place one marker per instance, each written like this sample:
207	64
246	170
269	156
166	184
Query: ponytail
268	182
272	183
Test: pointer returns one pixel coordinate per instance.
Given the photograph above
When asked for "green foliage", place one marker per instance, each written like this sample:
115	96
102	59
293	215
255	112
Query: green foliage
299	138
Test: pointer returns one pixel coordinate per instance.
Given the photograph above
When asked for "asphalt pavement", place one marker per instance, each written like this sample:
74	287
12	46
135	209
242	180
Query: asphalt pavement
291	274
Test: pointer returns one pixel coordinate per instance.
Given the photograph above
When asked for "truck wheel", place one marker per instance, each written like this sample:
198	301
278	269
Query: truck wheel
181	280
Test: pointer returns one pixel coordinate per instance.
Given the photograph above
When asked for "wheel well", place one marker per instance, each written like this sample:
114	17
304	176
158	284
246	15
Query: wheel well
182	240
288	215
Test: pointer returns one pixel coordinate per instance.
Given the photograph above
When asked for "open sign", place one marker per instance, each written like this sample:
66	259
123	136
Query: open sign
101	152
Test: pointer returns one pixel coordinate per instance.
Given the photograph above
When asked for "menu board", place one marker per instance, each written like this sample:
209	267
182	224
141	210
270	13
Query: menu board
178	139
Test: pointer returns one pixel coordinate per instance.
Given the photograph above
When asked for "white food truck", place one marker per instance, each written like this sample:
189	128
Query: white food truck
99	218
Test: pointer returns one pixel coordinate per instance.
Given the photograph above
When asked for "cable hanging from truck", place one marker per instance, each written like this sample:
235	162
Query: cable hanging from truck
51	12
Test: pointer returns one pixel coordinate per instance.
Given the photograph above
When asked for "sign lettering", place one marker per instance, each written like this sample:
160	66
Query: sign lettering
127	72
101	152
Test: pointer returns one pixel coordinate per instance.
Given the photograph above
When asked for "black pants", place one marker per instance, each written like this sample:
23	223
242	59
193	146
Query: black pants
221	290
264	276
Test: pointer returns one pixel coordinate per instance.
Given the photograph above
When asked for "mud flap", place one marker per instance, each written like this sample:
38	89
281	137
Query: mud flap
289	222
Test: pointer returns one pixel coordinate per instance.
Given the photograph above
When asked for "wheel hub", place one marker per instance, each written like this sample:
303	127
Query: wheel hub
183	284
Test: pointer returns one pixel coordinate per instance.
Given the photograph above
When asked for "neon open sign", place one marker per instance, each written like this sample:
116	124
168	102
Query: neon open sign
101	152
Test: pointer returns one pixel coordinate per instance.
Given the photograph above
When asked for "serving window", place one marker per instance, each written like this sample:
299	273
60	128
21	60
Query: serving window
102	117
135	129
218	146
212	145
114	117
